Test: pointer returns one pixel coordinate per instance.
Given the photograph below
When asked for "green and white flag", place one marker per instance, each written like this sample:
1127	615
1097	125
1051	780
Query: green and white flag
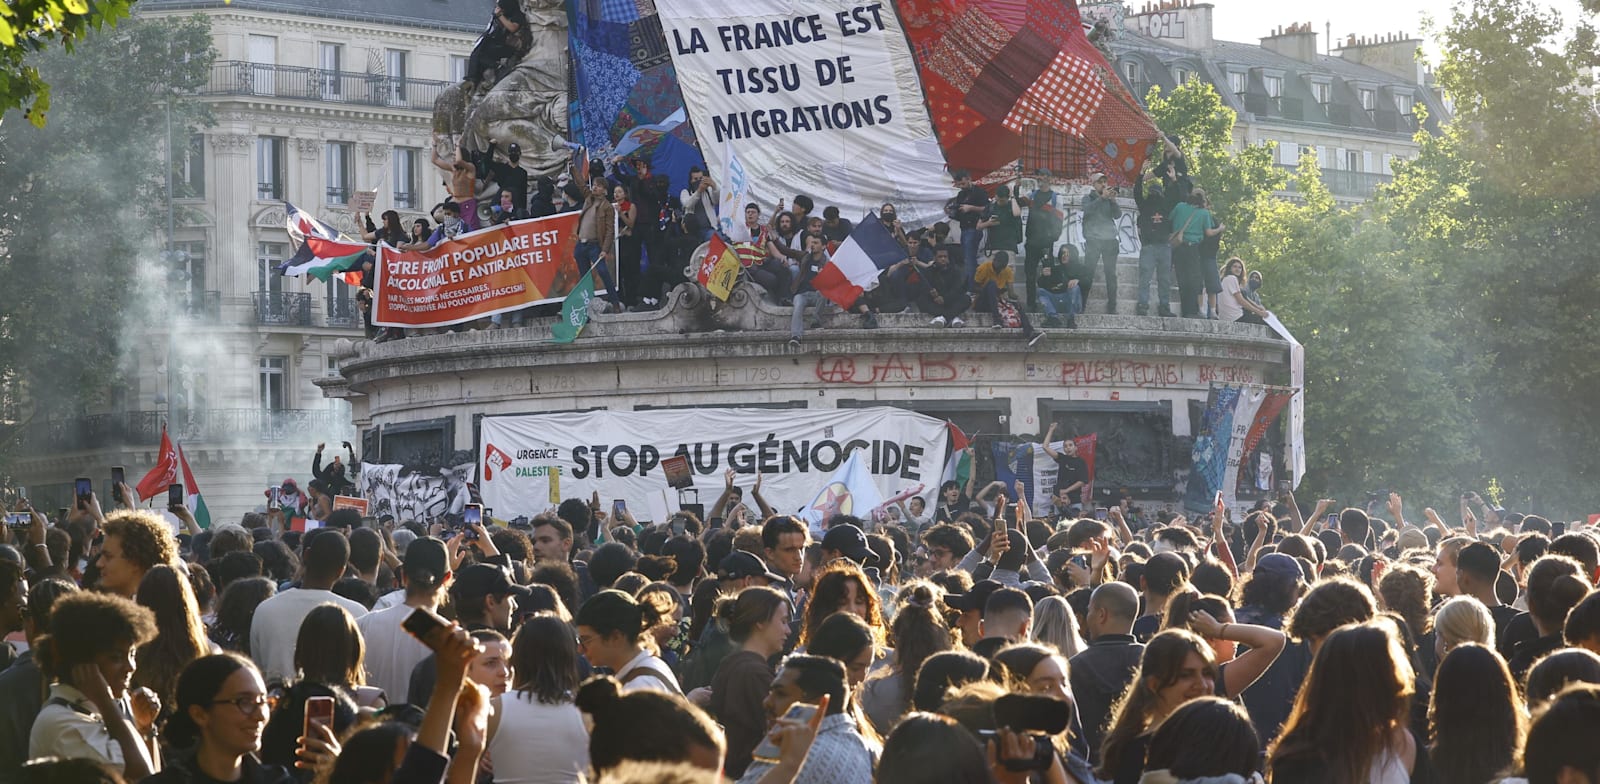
575	311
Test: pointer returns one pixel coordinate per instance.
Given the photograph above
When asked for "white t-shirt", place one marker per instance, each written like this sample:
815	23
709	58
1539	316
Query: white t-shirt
650	681
391	651
1228	307
277	626
538	743
73	731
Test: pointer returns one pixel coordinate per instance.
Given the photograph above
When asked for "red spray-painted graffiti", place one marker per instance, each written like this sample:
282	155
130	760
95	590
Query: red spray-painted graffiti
892	368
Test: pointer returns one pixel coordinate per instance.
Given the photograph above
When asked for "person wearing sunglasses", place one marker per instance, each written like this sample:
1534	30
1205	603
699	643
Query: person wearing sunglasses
215	731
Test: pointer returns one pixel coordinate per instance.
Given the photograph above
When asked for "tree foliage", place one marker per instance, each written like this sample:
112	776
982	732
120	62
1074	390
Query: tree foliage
1234	179
1449	323
28	27
82	202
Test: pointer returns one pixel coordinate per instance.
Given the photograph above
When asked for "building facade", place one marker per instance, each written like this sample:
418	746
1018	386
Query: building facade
1357	109
313	100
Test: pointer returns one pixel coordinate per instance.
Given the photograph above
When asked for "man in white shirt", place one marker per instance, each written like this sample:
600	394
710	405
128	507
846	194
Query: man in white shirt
699	202
277	621
391	651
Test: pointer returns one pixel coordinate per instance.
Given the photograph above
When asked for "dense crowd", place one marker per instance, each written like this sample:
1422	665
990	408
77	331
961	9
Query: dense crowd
971	641
639	237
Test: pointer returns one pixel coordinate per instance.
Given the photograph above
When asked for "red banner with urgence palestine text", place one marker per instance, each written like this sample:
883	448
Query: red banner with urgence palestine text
494	270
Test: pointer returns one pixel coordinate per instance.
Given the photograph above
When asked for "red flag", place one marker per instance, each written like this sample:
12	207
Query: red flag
165	474
1269	410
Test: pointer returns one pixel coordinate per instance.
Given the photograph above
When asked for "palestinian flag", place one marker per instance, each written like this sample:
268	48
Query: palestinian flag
323	252
959	466
192	497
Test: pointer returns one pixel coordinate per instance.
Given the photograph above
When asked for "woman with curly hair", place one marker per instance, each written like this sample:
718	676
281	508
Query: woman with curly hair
1329	605
1406	591
841	586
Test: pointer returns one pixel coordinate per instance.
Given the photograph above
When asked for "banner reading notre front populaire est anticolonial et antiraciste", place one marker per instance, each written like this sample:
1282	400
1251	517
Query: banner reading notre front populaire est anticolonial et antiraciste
619	454
494	270
820	98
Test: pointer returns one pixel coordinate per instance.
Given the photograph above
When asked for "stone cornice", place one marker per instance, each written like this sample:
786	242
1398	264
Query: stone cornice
255	109
264	21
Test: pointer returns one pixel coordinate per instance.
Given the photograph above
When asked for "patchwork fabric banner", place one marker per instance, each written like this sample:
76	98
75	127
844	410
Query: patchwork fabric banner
1230	416
1019	80
626	99
816	98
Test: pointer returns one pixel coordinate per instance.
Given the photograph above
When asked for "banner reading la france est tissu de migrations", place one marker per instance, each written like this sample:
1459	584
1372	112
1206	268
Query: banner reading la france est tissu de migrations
493	270
820	98
526	461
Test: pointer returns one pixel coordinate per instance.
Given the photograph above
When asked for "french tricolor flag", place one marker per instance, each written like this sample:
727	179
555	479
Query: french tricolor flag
869	250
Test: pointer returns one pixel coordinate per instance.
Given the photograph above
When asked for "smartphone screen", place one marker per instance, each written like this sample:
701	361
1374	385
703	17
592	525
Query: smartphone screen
1333	520
118	476
274	495
425	625
319	712
174	495
83	486
768	751
618	507
1100	513
472	514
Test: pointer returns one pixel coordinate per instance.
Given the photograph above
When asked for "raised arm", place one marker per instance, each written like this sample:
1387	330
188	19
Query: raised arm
761	503
1049	435
1265	645
1219	517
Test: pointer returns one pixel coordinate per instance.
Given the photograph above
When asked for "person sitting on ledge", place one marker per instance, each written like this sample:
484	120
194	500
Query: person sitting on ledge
946	297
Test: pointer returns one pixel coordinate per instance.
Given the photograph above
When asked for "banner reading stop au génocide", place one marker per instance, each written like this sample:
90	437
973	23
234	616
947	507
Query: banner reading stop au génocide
821	98
619	454
494	270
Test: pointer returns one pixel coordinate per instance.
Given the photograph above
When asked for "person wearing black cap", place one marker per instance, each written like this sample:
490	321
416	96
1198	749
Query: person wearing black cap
971	606
740	570
846	541
485	597
392	652
1007	618
510	176
737	571
1267	598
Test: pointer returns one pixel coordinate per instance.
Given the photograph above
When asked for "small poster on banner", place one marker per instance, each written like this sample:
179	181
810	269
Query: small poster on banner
350	502
362	201
555	484
676	470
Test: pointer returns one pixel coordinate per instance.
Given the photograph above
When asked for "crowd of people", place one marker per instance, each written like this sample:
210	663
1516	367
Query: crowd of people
638	236
970	642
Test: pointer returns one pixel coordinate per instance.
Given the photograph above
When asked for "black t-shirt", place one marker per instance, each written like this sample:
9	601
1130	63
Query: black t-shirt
1511	628
976	197
1069	471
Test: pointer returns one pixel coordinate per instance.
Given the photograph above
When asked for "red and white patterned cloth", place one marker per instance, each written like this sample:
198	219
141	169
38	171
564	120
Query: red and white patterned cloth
1065	97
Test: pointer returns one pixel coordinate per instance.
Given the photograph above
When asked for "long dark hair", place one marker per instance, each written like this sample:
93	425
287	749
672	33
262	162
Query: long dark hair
644	725
945	671
545	659
237	609
1476	717
180	638
1160	667
199	684
918	632
329	649
1358	691
1206	736
368	755
614	611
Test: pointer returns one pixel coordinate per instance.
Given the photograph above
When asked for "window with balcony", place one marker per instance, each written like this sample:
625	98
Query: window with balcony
1274	85
272	167
189	277
273	384
1238	82
406	182
397	62
1352	161
189	176
268	256
341	304
1322	92
330	60
341	174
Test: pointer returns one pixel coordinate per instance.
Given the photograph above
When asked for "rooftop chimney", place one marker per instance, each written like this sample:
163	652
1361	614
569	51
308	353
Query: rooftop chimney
1392	53
1296	41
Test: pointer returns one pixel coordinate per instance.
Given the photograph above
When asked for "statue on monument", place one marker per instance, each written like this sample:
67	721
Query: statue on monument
515	91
